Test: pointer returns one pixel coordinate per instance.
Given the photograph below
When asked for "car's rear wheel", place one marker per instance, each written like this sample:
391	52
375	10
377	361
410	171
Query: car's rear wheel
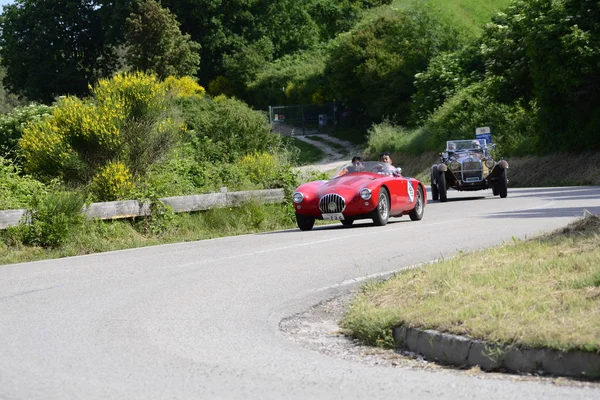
434	189
441	184
347	222
305	223
417	213
502	184
381	214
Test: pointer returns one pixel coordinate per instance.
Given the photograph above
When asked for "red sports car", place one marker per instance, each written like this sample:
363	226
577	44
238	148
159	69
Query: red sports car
371	189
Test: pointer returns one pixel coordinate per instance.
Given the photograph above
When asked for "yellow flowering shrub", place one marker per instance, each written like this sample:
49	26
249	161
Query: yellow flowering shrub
260	167
183	87
113	182
128	117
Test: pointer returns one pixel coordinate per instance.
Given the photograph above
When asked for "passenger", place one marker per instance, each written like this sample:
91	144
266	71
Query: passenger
451	146
386	158
475	144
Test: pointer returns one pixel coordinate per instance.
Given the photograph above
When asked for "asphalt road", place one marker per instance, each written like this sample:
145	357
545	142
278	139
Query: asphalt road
201	320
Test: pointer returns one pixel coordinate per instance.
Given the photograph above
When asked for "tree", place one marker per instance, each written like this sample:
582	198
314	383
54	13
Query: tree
155	44
372	68
52	48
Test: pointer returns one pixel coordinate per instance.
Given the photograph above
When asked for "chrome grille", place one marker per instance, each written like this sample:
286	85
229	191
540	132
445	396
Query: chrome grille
472	171
332	203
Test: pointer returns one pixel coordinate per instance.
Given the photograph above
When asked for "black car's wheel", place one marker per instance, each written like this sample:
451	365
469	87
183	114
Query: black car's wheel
305	223
381	214
502	184
417	213
441	184
347	222
494	189
434	189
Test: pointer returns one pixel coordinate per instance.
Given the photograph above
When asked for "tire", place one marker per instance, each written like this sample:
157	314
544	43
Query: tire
434	188
494	189
502	184
347	222
417	213
442	187
381	214
305	223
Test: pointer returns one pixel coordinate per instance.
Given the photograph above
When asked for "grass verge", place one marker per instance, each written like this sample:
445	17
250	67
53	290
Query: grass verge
543	292
308	154
100	236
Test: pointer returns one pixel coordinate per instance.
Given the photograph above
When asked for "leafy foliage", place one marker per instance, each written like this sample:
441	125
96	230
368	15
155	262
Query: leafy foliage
12	124
373	67
16	190
155	44
129	119
225	129
51	220
44	58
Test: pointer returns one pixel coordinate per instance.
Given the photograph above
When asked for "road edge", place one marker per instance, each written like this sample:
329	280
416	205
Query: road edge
459	350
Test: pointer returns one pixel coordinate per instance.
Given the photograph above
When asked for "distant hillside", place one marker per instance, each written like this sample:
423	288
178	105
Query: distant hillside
472	14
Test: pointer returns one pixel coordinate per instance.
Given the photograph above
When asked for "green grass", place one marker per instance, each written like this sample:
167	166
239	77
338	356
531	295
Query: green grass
543	292
101	236
308	154
470	15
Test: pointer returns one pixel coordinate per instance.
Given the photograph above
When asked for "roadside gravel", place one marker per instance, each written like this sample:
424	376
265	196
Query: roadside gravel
317	329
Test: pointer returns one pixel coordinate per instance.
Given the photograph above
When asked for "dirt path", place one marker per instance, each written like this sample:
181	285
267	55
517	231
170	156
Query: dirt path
334	156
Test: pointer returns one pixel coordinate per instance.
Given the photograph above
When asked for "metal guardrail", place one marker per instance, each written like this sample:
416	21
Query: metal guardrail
136	208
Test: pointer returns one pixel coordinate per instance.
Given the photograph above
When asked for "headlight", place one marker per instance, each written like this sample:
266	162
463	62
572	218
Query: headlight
455	165
298	197
365	193
490	163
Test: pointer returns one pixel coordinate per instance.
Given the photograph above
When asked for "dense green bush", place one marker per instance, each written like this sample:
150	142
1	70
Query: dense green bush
292	79
16	190
372	68
128	124
225	129
50	220
12	124
514	126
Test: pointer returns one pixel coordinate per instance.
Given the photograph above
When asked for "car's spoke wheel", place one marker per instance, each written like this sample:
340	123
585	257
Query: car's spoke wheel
382	212
305	223
347	222
502	184
441	184
434	189
417	213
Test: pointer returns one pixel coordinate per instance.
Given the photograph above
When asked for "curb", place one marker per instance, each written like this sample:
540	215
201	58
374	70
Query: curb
460	350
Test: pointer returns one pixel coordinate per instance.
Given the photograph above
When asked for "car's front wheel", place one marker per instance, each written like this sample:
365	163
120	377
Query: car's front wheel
381	214
434	189
502	184
441	184
305	223
347	222
417	213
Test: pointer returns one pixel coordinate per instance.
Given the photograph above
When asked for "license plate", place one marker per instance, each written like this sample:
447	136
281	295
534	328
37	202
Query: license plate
333	216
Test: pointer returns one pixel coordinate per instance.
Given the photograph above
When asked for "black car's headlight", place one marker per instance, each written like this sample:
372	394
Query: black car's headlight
490	163
455	165
297	197
365	193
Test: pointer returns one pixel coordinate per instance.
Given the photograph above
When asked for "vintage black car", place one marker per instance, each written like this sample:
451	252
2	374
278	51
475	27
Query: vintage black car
467	165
